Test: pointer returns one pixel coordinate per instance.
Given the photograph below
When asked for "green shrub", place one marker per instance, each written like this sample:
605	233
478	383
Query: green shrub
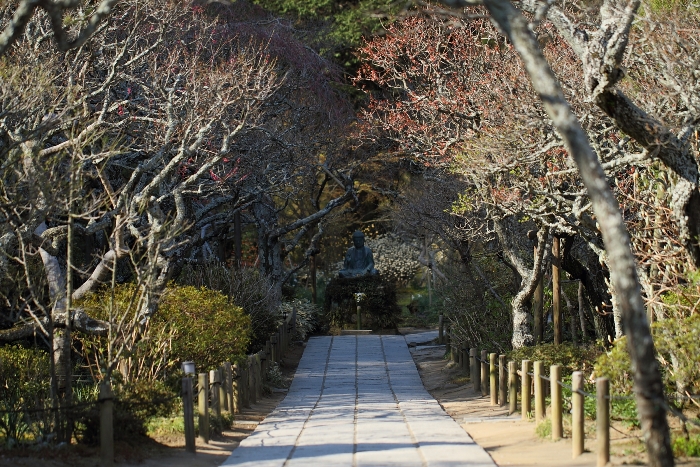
688	447
24	385
246	288
306	319
209	330
570	357
135	404
194	324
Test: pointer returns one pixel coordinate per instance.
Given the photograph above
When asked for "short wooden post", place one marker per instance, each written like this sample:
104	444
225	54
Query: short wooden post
235	391
223	398
493	379
540	408
458	351
555	391
188	412
243	387
465	359
228	377
502	381
525	389
273	349
474	370
214	384
359	317
106	400
453	349
602	390
203	403
252	390
577	414
484	373
512	387
441	329
259	376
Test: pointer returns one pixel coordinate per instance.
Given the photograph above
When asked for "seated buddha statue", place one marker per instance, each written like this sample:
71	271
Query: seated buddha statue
358	261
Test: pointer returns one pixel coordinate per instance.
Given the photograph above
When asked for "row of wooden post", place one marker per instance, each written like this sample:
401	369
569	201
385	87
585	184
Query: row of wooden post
228	388
491	377
232	387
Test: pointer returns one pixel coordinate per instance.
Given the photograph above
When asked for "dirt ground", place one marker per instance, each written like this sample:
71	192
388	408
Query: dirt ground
509	440
165	451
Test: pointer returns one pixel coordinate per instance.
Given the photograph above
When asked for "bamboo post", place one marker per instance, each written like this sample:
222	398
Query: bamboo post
223	398
556	290
235	392
228	378
273	349
555	390
540	408
441	329
493	379
259	376
484	373
474	370
214	383
188	411
512	387
502	381
252	390
525	389
577	414
602	386
106	400
203	399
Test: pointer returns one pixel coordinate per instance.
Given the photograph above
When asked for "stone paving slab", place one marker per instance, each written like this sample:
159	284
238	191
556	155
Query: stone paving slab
358	401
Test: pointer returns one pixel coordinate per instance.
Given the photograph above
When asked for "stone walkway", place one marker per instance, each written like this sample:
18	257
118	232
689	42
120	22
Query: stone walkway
358	401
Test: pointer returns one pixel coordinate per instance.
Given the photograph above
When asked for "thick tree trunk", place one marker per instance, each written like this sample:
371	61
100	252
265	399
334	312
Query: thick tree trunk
623	273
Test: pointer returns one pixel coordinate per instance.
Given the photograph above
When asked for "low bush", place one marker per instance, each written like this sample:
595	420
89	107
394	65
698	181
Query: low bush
307	317
24	386
246	288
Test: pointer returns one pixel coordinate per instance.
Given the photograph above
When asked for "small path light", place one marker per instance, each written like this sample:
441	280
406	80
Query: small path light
359	296
188	368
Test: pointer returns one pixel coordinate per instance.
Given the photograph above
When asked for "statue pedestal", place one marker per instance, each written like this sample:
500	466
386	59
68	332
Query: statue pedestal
378	306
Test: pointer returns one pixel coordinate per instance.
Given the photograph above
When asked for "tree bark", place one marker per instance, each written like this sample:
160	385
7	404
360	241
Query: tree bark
623	273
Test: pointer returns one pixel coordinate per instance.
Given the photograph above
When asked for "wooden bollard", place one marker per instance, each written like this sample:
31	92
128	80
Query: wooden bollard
465	359
188	412
525	389
273	349
259	376
555	392
214	385
228	377
441	329
540	407
602	391
235	393
576	414
493	379
512	387
252	380
223	398
502	381
484	373
106	400
203	406
243	387
453	349
474	370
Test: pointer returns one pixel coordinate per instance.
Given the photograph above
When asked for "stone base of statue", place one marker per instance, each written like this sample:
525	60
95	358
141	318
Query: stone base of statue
378	307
